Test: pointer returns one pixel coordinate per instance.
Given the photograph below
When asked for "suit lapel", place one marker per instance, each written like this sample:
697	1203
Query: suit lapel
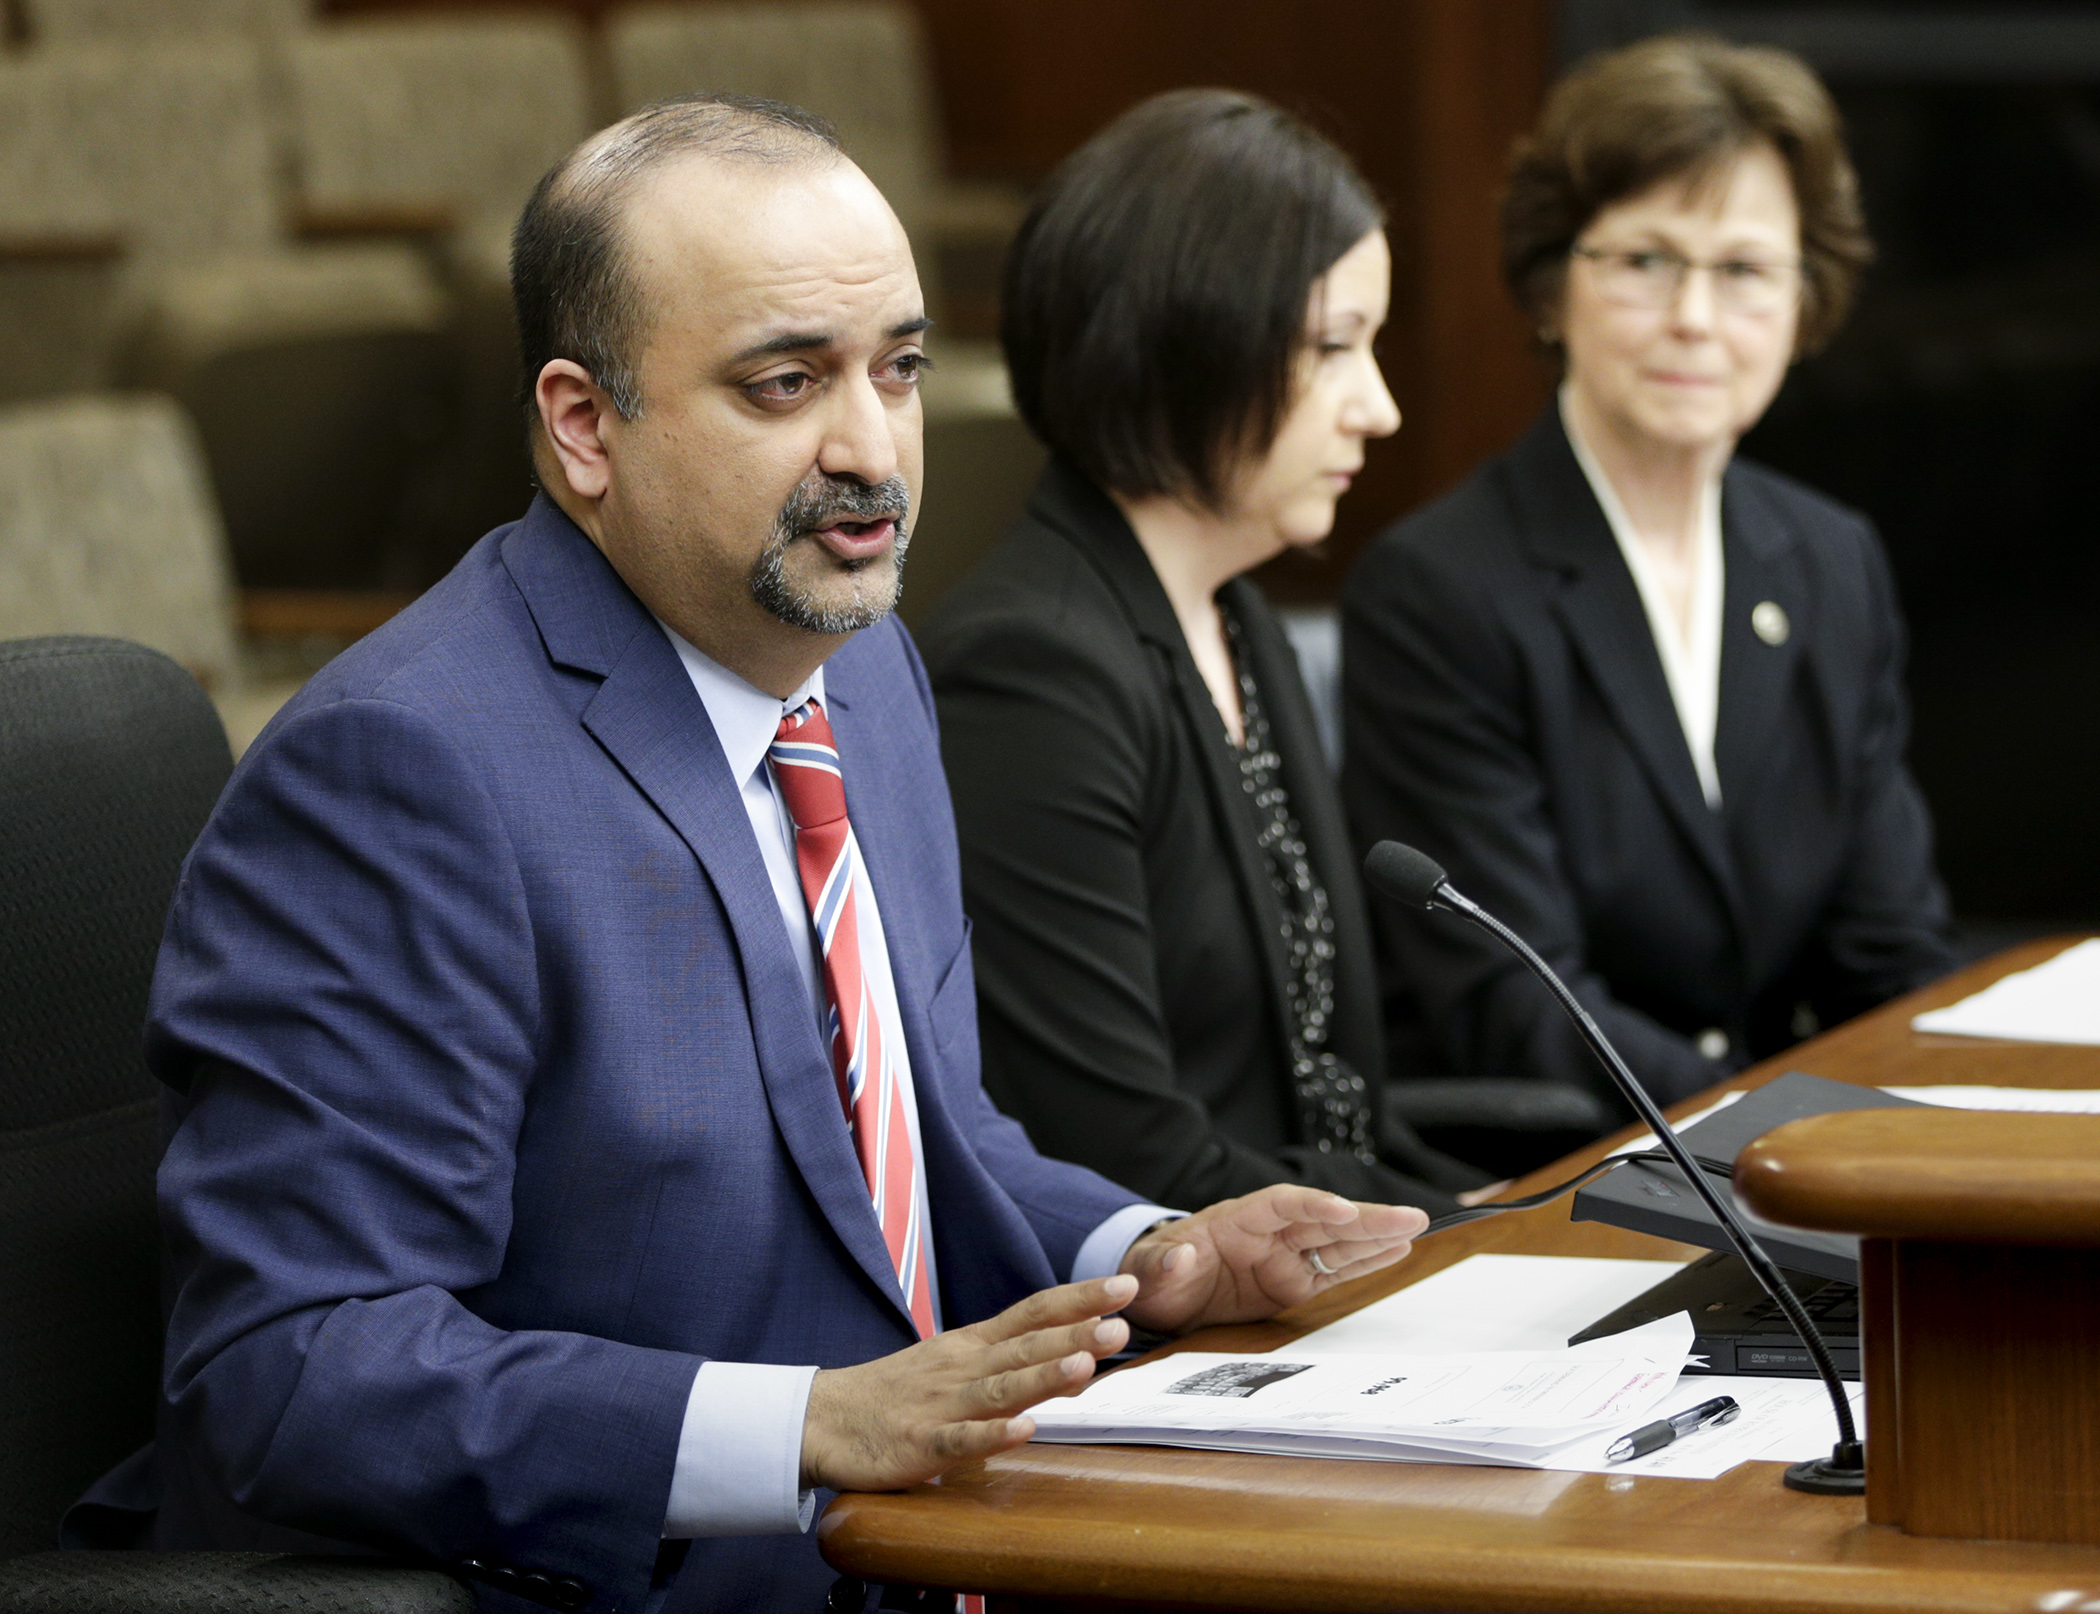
1755	673
1601	609
1228	799
649	719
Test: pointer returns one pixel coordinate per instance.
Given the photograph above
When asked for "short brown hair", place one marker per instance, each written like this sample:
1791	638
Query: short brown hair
1683	106
1154	309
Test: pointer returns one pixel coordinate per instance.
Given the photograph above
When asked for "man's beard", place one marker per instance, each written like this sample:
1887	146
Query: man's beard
817	503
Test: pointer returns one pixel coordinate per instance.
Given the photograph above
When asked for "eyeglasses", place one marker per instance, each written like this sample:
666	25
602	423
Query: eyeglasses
1654	277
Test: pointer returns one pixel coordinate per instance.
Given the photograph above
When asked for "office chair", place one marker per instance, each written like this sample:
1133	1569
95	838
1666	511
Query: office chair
108	526
143	180
53	22
448	119
1501	1124
110	759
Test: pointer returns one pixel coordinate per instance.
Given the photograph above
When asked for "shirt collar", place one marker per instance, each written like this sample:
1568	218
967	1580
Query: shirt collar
1607	496
745	718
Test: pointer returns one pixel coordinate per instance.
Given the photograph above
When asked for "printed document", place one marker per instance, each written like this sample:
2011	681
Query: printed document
2056	1001
2032	1100
1512	1408
1501	1314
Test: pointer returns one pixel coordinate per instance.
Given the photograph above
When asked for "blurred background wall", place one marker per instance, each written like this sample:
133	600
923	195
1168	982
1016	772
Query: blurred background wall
1959	409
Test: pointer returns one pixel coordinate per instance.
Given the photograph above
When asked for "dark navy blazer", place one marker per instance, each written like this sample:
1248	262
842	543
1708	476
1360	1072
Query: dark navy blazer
503	1103
1505	710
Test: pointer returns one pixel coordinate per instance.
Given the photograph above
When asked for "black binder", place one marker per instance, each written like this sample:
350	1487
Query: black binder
1652	1196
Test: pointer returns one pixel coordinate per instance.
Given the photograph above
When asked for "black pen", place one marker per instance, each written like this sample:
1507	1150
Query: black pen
1654	1436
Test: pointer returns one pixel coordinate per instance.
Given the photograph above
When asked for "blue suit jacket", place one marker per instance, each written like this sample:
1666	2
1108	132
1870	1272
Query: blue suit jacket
503	1105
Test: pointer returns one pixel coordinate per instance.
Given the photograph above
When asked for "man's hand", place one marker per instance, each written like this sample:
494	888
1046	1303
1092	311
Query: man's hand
1248	1258
951	1399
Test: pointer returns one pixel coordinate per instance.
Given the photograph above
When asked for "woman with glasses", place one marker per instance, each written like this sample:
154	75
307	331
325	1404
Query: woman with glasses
1643	699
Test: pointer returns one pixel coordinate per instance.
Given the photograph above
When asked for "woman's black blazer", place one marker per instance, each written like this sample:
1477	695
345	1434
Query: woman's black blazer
1130	973
1505	710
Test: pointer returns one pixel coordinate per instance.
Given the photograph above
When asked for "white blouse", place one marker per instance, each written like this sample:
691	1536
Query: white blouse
1691	661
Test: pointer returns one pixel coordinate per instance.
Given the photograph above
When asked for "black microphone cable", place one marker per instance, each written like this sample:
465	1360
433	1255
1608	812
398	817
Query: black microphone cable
1416	879
1588	1174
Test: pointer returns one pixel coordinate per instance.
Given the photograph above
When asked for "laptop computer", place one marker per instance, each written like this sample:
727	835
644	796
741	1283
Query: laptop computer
1738	1327
1649	1196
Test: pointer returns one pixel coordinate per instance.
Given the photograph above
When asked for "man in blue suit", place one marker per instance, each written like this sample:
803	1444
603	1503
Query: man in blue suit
548	1190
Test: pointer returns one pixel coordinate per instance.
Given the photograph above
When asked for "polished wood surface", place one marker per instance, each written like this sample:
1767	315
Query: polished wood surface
1980	1281
1063	1527
1931	1174
1990	1385
1877	1364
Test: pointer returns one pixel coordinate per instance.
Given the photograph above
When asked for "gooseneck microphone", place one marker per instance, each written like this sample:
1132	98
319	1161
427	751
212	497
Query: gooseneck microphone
1412	878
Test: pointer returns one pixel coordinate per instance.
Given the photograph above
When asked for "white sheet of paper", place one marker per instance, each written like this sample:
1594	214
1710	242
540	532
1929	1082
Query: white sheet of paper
1492	1303
2056	1001
2037	1100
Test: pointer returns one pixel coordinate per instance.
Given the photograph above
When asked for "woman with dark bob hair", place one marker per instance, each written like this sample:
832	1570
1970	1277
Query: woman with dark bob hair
1174	975
1643	699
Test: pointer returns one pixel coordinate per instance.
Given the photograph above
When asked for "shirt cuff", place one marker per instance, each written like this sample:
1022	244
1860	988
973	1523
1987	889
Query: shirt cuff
739	1468
1106	1246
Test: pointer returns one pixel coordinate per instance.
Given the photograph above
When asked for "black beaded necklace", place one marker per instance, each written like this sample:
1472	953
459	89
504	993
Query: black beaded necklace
1334	1106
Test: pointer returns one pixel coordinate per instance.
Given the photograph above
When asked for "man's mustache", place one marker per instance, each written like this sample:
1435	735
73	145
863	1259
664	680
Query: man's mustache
822	502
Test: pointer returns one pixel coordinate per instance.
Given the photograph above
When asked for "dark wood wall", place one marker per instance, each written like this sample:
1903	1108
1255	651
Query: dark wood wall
1427	94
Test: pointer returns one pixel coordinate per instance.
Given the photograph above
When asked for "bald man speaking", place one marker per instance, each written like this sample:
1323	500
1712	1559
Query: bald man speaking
580	1149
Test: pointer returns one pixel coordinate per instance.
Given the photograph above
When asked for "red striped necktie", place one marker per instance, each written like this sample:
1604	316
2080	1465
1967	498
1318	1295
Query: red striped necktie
805	763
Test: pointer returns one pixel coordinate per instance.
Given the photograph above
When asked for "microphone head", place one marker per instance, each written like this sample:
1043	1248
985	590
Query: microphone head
1404	874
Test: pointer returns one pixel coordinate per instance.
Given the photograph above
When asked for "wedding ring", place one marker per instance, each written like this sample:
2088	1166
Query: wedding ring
1312	1259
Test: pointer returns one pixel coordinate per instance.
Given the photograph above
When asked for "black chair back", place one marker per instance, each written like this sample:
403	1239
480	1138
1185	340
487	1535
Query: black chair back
111	757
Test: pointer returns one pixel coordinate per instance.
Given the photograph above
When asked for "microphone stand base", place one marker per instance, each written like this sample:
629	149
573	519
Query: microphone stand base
1840	1474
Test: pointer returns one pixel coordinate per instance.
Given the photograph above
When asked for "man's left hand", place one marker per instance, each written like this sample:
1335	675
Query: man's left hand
1248	1258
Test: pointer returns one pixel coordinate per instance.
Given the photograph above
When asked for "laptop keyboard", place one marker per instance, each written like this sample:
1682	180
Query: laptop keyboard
1834	1307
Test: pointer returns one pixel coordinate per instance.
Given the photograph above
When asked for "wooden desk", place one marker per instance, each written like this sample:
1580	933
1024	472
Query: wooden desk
1104	1527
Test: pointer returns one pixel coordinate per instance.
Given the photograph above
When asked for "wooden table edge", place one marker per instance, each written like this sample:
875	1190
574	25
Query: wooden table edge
948	1537
888	1539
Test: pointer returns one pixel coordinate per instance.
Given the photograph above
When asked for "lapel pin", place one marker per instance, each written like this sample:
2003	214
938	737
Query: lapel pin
1768	621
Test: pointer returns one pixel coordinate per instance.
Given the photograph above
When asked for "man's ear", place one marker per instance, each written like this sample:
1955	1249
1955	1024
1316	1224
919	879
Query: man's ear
574	414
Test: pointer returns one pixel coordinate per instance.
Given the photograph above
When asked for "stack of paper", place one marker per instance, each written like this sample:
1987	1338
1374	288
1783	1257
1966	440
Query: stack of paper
1508	1408
1502	1316
2057	1001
